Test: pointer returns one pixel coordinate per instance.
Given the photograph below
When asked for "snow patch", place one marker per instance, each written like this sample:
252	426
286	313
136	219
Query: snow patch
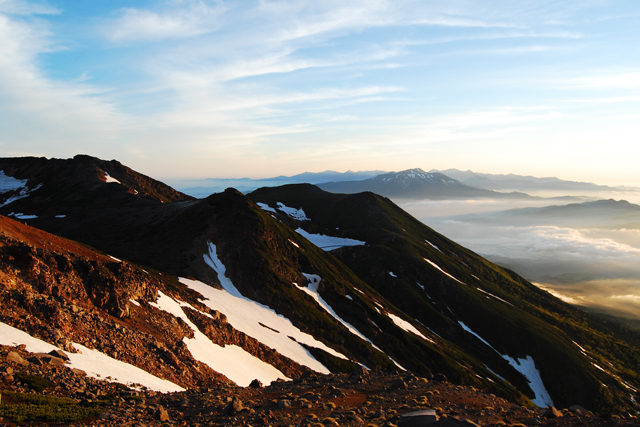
109	178
60	216
391	274
232	361
349	297
312	291
294	243
445	273
496	297
527	368
328	243
134	302
24	216
251	317
265	207
403	324
9	183
466	328
94	363
432	245
293	212
115	259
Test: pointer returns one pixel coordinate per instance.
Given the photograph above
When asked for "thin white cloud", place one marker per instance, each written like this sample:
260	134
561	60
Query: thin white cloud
630	80
185	19
18	7
634	98
40	110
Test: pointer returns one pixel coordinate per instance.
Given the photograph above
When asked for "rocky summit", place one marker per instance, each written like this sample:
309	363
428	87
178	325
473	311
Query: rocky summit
127	302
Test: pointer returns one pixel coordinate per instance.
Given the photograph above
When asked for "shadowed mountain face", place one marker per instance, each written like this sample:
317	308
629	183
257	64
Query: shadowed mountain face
415	184
392	294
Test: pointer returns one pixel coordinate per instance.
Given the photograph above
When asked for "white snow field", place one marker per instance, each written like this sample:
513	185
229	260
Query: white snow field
403	324
232	361
312	291
293	212
328	243
8	183
432	245
109	178
492	295
93	362
527	368
447	274
248	316
23	216
266	207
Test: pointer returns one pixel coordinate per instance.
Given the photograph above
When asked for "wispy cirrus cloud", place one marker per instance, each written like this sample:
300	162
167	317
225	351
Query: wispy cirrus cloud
183	20
17	7
622	80
34	105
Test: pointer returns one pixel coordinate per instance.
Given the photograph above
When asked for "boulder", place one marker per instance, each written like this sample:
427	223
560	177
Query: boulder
552	412
59	354
161	414
284	404
577	410
234	407
41	359
14	357
418	418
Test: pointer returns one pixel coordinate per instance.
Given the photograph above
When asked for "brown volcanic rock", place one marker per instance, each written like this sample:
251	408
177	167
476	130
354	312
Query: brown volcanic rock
311	402
60	297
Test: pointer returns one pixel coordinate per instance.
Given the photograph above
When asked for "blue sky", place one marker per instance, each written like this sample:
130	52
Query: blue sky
192	89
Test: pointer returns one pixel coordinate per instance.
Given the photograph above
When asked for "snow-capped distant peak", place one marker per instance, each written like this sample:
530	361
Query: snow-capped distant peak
416	175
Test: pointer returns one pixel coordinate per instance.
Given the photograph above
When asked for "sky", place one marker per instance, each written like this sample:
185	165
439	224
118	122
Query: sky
181	89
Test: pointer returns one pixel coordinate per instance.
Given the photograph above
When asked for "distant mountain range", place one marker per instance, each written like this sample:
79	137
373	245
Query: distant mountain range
411	183
208	186
284	282
511	182
416	184
618	214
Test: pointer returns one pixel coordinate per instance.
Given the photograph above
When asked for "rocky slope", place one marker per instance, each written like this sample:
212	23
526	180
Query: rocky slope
359	399
63	293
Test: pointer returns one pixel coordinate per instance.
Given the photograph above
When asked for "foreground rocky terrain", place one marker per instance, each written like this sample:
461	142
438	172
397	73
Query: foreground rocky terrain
361	398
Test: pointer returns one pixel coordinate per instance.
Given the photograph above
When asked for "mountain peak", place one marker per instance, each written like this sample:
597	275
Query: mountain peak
416	176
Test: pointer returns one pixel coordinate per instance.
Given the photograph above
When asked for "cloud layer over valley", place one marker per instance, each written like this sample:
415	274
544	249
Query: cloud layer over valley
597	266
